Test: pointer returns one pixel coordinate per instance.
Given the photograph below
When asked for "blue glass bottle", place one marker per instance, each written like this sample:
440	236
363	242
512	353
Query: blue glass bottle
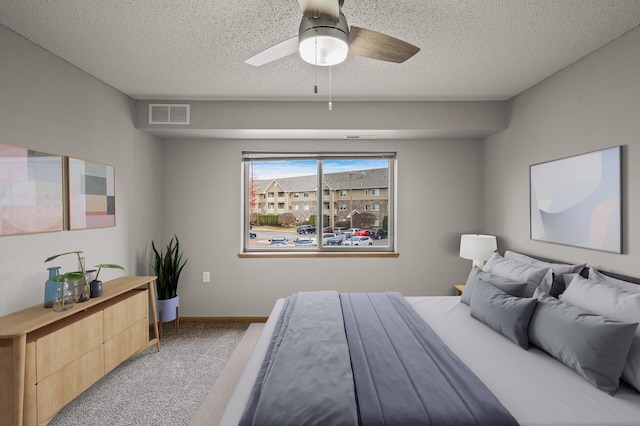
50	286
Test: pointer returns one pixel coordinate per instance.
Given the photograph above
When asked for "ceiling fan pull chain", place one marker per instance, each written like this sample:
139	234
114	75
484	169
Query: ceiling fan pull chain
330	104
315	77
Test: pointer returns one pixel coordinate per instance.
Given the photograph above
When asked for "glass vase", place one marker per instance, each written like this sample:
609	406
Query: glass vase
63	297
81	293
51	286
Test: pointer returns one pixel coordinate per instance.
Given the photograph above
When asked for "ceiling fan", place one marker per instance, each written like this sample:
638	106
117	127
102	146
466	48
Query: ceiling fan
325	39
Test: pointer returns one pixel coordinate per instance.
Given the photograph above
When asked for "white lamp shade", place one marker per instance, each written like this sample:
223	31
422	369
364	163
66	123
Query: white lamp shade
477	247
323	46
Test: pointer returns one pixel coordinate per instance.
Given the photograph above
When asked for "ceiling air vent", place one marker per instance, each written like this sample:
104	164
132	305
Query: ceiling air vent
169	113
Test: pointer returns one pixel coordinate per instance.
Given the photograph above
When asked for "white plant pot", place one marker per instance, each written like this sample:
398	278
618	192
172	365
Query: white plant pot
166	309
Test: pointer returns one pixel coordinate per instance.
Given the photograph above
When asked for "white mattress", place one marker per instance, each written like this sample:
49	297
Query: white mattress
533	386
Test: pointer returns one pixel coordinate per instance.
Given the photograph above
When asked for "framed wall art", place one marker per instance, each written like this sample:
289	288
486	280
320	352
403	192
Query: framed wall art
31	191
577	201
92	198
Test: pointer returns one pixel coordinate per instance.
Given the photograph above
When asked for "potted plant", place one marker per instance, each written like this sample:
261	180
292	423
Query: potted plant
96	285
76	276
167	267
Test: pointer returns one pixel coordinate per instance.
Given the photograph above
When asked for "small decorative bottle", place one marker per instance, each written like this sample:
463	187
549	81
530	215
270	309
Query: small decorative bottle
50	287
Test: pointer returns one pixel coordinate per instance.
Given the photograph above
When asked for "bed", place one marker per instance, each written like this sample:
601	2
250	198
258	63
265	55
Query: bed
534	387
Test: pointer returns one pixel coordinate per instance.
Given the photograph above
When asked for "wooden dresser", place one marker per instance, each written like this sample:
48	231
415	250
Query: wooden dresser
48	358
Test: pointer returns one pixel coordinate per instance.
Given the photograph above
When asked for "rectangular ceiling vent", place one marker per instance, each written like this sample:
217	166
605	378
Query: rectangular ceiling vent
169	113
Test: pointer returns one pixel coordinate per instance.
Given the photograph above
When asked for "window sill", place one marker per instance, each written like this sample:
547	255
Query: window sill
264	255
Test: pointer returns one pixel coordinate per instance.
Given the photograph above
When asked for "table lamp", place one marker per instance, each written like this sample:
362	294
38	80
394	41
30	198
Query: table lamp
477	247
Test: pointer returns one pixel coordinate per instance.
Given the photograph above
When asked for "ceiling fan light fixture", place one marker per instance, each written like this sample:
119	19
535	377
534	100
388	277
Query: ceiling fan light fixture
323	42
330	50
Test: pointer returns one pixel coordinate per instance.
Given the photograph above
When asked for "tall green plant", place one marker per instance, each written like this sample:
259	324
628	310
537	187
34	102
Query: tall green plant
167	266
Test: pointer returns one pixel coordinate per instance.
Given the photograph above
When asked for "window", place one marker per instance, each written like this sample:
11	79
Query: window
351	177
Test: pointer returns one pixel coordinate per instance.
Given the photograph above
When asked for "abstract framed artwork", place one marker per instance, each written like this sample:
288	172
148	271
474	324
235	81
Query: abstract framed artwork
577	201
92	198
31	191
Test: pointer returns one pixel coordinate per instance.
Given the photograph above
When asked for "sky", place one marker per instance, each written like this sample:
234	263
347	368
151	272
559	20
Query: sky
292	168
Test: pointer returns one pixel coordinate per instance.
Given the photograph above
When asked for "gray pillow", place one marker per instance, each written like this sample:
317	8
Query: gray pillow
594	346
534	276
508	315
559	269
512	287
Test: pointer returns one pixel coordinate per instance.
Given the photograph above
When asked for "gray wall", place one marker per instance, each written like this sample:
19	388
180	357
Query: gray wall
445	187
593	104
47	104
438	196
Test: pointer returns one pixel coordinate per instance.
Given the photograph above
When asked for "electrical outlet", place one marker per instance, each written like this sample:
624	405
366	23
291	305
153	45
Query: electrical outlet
206	277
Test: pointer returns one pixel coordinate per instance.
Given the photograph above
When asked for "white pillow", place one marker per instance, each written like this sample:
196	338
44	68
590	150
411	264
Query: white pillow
596	275
615	303
534	276
559	269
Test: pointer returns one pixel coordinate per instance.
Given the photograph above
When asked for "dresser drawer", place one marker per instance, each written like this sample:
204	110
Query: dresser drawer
64	385
121	347
125	313
67	344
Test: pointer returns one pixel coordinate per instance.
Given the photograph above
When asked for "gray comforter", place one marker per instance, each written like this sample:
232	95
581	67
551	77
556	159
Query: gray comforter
364	358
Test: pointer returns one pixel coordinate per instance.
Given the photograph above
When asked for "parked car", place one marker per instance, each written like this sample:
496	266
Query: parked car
326	236
327	230
304	242
358	241
306	229
378	233
362	233
278	241
335	241
339	229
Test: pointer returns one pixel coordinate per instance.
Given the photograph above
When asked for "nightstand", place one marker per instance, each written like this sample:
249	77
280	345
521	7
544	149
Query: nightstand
459	289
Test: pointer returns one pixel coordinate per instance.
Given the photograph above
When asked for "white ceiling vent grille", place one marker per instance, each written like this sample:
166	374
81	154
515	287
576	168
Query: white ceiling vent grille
169	113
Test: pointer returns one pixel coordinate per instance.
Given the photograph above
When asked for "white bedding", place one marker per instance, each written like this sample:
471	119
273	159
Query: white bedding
534	387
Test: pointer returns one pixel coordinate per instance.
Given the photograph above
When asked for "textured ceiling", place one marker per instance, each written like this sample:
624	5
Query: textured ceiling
194	49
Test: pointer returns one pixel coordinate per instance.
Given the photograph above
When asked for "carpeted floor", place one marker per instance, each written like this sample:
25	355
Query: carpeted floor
159	388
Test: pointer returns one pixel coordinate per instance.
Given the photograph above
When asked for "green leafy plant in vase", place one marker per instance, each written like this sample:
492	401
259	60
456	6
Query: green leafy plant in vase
76	276
96	285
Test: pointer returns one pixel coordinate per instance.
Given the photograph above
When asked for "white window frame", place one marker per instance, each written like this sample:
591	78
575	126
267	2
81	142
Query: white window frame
320	199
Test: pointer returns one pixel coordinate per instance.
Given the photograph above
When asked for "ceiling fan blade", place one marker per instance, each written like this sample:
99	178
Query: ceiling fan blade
280	50
326	9
375	45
